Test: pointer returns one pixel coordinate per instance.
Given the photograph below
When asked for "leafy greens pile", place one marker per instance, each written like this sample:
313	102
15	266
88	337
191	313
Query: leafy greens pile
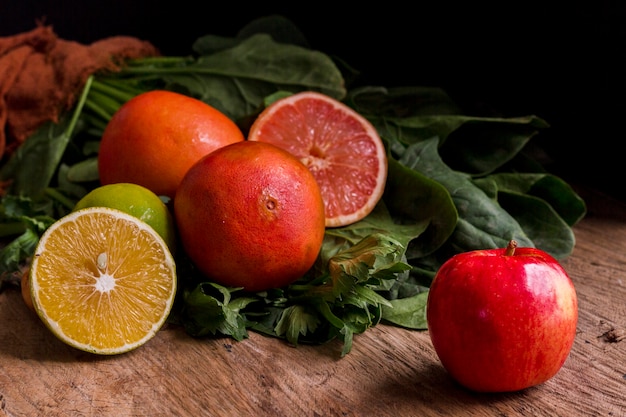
455	183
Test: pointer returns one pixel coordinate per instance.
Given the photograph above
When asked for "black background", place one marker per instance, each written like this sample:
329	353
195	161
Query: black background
565	64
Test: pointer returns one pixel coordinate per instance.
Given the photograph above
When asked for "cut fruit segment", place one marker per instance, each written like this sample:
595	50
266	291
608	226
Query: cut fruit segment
339	146
102	280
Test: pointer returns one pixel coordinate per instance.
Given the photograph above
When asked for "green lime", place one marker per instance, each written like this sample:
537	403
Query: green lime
137	201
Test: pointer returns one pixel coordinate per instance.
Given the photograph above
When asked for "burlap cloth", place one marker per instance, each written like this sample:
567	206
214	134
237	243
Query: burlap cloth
41	76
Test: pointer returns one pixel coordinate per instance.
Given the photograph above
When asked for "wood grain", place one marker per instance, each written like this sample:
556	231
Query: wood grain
390	371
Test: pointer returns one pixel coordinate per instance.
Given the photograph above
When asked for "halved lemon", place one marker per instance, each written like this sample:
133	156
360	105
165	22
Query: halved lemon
102	280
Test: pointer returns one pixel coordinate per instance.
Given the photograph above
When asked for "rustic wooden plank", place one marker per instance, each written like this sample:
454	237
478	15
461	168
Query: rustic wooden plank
390	371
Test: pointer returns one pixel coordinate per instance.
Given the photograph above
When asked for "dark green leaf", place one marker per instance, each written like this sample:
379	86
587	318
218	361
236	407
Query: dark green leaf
541	222
208	310
34	164
479	146
371	254
553	190
378	222
296	320
474	145
409	312
17	251
414	198
544	205
84	171
237	79
482	223
400	102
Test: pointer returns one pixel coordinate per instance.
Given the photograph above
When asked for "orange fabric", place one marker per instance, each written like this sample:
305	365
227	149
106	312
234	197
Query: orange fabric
42	76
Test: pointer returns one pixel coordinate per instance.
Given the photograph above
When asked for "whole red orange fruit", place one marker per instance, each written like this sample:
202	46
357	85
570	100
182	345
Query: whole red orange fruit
250	215
155	137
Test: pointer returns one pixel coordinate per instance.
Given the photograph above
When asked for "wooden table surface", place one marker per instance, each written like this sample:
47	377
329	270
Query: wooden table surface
390	371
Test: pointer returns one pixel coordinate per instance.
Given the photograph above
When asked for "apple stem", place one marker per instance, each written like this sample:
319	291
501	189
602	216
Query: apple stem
510	248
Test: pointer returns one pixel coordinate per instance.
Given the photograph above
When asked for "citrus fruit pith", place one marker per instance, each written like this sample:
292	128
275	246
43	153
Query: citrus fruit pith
25	289
102	280
339	146
155	137
250	215
137	201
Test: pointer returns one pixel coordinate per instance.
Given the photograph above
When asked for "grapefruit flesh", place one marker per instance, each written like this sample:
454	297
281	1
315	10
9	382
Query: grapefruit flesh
339	146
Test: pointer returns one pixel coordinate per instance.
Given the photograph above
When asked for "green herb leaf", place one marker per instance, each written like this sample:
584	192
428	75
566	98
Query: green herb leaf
296	321
23	222
209	310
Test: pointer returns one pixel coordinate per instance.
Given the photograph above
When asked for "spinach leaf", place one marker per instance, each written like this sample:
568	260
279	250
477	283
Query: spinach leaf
380	221
413	197
550	188
237	79
32	167
482	223
399	102
543	204
474	145
409	312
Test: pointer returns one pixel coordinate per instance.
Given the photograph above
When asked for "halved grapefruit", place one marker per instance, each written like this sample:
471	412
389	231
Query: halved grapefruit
339	146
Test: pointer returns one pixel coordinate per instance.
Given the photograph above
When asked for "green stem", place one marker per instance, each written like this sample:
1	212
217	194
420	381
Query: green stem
11	229
99	110
324	309
157	60
174	70
96	123
118	90
54	194
110	104
79	107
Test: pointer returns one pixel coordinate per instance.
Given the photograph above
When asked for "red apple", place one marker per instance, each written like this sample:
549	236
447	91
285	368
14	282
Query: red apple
502	320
